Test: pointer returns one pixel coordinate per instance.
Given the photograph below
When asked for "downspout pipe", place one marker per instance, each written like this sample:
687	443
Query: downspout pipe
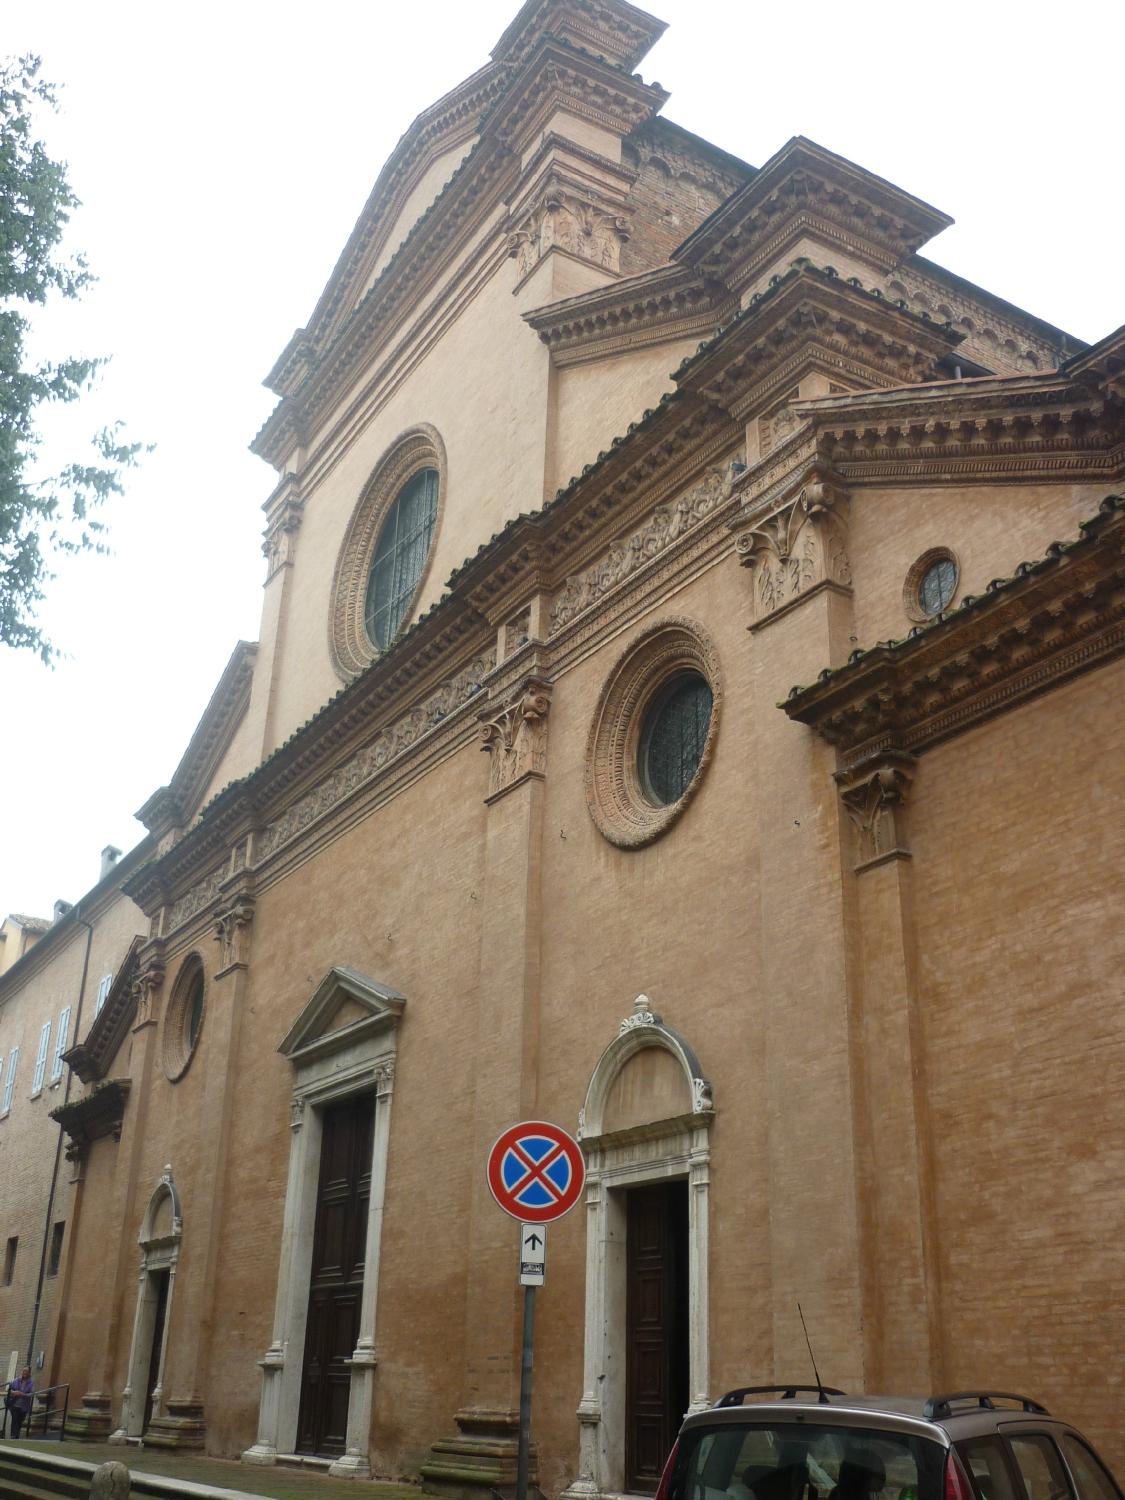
59	1143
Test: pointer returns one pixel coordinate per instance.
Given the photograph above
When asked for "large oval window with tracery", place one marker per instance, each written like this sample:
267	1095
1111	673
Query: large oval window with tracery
400	557
386	554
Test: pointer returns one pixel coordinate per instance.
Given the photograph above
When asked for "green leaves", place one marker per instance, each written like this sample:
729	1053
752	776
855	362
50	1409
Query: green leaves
39	517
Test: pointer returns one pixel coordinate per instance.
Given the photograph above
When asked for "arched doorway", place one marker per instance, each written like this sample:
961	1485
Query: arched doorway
645	1129
159	1240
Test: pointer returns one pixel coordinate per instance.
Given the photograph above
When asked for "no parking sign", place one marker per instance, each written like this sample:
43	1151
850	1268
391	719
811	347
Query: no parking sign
536	1172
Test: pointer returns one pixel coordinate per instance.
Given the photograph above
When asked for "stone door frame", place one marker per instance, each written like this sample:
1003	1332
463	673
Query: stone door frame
158	1253
677	1147
329	1067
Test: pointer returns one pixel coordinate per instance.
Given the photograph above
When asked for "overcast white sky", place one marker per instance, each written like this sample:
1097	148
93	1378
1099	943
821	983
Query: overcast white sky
222	153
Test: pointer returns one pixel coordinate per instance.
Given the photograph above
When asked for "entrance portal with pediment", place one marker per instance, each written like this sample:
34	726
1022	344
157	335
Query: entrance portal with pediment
318	1373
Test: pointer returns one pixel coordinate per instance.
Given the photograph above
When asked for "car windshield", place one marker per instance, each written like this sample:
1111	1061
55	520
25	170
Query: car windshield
801	1461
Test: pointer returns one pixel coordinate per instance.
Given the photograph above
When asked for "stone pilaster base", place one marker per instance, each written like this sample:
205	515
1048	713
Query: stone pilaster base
91	1422
480	1458
183	1428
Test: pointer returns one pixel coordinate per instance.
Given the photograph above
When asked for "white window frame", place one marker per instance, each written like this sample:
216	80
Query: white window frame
61	1038
105	984
41	1059
10	1082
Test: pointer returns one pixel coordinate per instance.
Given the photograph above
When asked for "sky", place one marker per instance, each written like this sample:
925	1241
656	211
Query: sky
222	153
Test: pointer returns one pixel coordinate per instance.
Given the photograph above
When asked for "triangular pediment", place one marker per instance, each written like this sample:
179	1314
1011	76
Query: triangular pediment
346	1006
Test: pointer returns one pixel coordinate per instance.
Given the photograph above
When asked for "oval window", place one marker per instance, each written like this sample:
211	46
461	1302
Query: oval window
673	738
400	556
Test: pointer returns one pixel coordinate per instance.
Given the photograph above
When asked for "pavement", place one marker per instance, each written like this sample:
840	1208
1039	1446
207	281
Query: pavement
275	1482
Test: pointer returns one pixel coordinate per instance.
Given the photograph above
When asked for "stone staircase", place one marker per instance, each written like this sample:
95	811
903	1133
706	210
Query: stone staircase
42	1473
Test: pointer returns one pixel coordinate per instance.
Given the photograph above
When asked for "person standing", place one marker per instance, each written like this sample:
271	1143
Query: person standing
20	1392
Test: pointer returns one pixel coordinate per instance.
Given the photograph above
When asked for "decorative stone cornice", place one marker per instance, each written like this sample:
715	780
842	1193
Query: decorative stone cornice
1053	620
91	1057
1029	428
514	734
805	190
615	32
98	1113
173	806
798	547
656	307
812	318
874	792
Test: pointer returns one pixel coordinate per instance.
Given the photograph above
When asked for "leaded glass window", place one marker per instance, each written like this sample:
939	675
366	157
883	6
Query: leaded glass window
673	739
938	585
195	1009
400	556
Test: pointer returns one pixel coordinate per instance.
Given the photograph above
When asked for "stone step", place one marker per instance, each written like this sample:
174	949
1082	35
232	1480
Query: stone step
22	1476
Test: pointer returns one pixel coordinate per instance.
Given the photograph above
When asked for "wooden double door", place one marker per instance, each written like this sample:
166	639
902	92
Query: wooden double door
656	1328
336	1284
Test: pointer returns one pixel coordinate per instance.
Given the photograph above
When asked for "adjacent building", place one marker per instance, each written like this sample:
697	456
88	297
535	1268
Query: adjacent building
686	709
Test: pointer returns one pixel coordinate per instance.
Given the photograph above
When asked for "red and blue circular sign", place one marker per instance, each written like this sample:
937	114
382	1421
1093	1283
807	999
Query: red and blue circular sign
536	1172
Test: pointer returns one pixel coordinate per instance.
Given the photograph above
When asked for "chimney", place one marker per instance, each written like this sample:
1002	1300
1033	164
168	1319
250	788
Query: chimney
61	909
110	856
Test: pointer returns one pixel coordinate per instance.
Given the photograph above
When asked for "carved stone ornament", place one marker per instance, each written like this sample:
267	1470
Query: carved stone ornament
797	547
566	220
146	988
516	736
643	1015
874	794
665	525
232	926
281	536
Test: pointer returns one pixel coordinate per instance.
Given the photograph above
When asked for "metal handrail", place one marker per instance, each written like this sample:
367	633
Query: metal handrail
42	1412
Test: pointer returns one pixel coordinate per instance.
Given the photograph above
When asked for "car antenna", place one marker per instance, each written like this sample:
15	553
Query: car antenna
821	1394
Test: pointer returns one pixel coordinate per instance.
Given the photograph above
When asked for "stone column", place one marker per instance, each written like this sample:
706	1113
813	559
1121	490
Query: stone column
896	1189
482	1456
183	1425
92	1418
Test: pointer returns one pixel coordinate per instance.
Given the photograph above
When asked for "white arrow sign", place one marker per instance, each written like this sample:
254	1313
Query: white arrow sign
533	1254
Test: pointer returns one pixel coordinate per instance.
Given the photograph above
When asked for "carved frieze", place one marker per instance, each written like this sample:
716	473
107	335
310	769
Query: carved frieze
665	525
515	736
200	895
874	793
565	219
389	743
798	546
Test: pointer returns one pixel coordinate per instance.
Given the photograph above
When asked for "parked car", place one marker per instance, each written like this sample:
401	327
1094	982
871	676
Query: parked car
816	1443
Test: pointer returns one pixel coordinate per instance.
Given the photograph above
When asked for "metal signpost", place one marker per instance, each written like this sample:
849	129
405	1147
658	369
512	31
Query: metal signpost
536	1173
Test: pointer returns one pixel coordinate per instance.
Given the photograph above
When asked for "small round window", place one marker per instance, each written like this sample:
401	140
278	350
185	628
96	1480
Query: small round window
400	556
184	1018
673	738
931	584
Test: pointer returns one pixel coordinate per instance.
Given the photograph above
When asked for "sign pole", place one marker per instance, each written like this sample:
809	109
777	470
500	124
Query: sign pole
526	1364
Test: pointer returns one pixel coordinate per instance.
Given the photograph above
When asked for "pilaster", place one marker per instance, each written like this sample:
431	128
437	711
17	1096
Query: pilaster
184	1423
902	1295
482	1454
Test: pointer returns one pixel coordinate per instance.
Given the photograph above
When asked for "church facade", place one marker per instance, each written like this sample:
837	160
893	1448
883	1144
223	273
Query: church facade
686	710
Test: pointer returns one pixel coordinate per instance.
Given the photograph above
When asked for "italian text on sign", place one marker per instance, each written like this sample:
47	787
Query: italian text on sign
536	1172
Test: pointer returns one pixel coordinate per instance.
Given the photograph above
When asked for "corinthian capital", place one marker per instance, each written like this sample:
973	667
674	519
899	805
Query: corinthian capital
515	735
